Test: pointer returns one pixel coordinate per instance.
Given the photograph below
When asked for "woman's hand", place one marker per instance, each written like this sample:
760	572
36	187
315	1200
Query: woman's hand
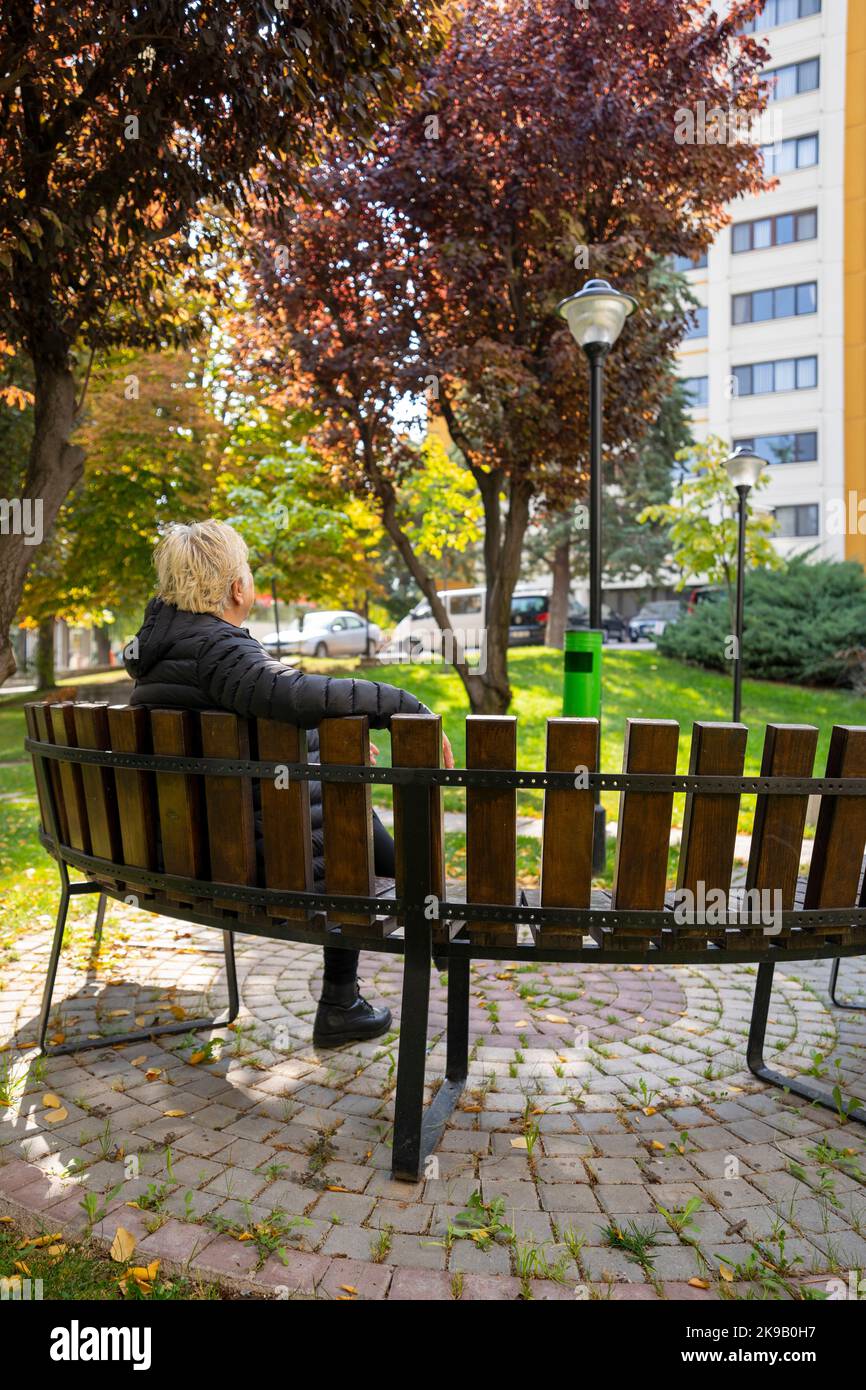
447	754
374	752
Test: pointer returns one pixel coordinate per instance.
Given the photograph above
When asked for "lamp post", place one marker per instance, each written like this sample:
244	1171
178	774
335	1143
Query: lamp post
744	470
595	316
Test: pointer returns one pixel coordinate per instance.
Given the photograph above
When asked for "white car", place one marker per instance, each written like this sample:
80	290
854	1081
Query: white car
337	632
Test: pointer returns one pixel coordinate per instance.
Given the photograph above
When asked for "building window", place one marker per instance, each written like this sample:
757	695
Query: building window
786	302
764	232
800	152
765	378
776	12
697	389
797	521
783	448
685	263
698	321
793	79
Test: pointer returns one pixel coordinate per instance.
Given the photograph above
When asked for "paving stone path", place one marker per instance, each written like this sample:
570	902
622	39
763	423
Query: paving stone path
611	1142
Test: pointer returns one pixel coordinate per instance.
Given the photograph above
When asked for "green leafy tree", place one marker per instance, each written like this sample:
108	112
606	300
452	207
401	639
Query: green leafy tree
308	542
120	124
701	518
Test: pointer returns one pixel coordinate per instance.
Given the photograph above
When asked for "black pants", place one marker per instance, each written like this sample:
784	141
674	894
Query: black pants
341	965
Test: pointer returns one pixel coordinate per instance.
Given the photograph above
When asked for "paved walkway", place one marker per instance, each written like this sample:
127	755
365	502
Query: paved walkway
610	1142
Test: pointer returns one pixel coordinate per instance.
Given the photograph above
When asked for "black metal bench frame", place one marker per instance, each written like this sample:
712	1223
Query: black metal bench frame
416	1131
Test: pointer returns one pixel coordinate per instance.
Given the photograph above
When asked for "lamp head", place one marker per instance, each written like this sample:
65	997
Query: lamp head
744	468
596	314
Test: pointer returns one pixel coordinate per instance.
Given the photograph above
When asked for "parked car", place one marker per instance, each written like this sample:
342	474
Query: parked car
332	633
702	593
419	632
613	624
653	618
529	614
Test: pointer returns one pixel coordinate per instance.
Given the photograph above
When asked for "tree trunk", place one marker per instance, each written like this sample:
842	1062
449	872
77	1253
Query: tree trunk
54	467
103	647
45	677
558	612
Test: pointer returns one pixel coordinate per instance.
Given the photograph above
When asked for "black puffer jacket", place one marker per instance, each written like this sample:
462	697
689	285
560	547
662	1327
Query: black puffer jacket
197	661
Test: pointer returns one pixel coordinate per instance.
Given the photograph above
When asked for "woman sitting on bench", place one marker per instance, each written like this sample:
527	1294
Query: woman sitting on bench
193	652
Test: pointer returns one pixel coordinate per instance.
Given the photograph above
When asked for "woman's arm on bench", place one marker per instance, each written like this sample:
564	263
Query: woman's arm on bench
237	673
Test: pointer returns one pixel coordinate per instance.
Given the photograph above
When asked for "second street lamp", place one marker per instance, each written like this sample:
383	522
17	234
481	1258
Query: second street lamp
744	470
595	316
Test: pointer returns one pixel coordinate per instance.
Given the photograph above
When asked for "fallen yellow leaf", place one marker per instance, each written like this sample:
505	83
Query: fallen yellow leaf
519	1143
699	1283
555	1018
649	1110
52	1102
657	1144
152	1073
137	1061
348	1288
22	1268
56	1117
174	1114
726	1274
122	1246
196	1058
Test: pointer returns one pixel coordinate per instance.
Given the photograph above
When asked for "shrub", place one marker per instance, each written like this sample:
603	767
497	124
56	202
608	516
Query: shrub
801	624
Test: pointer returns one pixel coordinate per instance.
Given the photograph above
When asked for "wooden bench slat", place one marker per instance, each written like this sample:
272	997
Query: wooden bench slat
710	820
347	817
180	797
568	820
45	734
62	724
285	816
229	803
777	831
32	726
129	731
491	824
416	741
644	825
91	728
840	834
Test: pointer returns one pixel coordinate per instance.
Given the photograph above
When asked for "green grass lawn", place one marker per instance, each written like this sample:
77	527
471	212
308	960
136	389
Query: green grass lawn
637	684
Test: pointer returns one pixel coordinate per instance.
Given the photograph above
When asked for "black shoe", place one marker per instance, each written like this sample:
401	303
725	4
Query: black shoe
344	1015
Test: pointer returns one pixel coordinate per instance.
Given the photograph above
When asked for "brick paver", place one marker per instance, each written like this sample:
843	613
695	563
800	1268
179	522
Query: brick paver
623	1169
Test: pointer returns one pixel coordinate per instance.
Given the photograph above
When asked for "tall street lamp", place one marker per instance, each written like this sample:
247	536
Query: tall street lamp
744	470
595	316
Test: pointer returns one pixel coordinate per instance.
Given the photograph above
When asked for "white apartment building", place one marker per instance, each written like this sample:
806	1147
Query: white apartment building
776	357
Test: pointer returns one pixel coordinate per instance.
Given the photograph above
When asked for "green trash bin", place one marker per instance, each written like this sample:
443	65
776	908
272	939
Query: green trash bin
581	686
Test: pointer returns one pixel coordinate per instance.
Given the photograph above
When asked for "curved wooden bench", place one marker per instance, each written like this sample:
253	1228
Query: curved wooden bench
140	804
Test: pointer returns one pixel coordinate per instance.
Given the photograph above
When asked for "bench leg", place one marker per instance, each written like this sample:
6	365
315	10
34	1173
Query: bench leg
68	890
416	1131
834	980
755	1055
406	1155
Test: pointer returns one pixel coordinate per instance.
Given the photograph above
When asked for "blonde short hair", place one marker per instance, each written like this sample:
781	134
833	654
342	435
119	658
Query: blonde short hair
196	565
